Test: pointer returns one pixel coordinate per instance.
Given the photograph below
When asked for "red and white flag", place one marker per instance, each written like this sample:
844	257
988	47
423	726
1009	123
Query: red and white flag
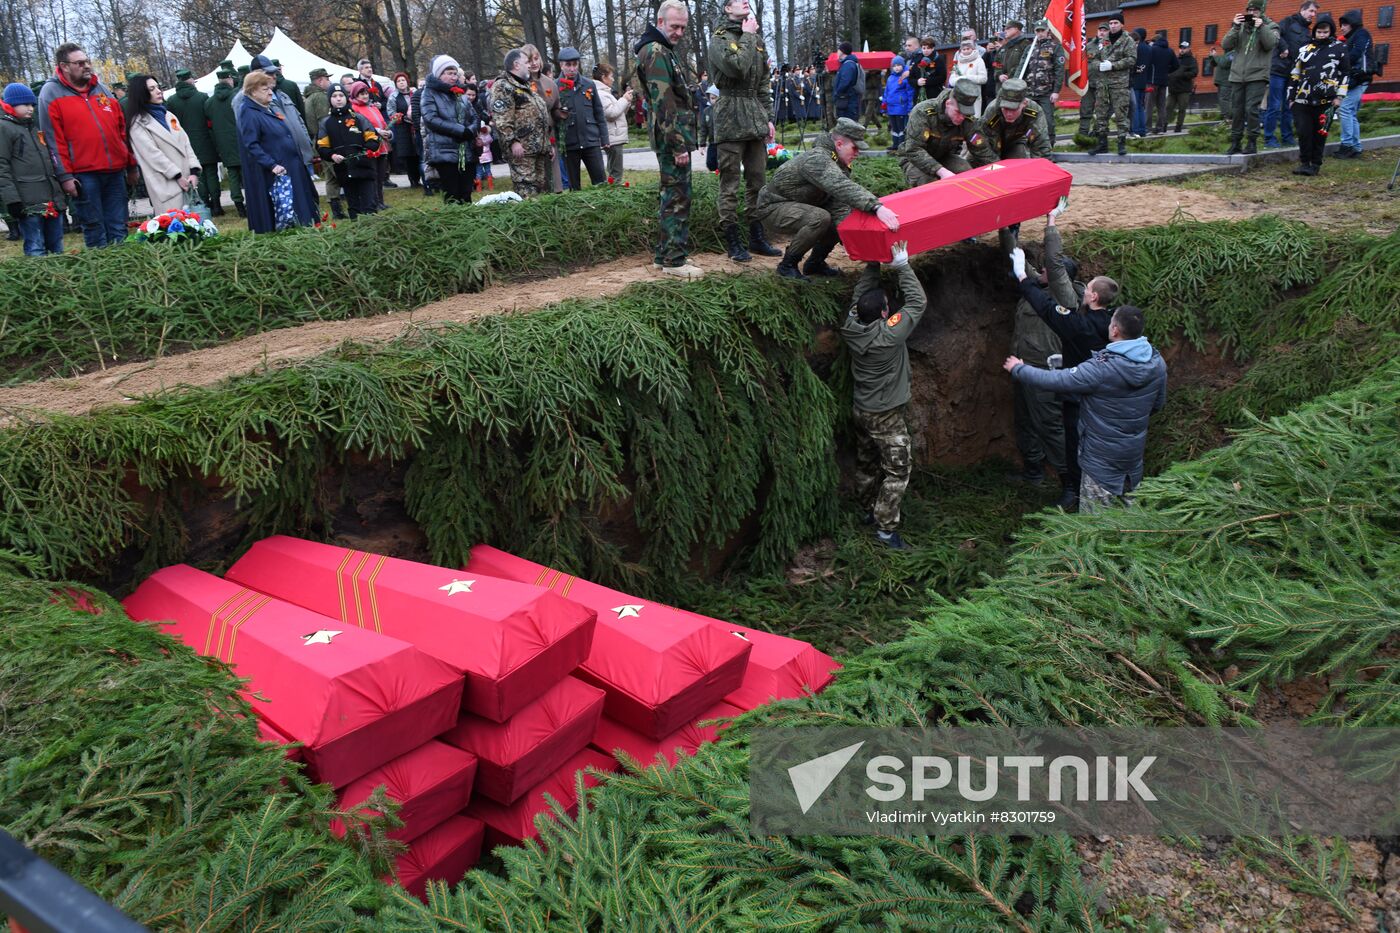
1067	23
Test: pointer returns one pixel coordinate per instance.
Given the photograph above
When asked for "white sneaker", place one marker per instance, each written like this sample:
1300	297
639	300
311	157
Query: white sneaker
688	271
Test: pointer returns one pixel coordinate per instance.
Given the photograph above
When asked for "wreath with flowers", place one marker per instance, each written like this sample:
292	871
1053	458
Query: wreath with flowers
175	226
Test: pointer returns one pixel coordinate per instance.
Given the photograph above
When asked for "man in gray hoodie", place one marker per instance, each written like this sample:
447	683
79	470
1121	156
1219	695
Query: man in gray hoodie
1119	387
880	370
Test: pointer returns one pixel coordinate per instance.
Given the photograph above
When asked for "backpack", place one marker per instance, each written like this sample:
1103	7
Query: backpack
860	81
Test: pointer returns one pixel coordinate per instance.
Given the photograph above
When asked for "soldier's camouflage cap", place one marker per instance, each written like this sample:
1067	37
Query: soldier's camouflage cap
318	73
1012	93
967	93
851	130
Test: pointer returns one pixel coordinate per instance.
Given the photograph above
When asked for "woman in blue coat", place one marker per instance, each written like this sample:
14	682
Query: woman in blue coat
269	150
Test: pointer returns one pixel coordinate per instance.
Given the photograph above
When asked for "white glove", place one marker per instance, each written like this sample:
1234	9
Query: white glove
1018	262
1105	66
1059	208
900	252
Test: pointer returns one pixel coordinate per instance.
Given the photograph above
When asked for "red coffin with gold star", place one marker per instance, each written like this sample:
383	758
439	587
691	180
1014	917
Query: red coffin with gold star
612	736
512	825
780	668
953	209
444	853
660	667
517	754
513	641
431	783
355	699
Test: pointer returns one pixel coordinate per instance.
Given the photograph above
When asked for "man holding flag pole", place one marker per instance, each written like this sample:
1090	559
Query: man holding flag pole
1057	55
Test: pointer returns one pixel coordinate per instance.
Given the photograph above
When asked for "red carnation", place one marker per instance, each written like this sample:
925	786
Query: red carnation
163	220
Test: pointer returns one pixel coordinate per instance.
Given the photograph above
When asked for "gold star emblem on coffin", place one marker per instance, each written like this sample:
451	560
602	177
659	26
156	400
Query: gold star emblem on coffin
632	611
457	586
740	635
319	637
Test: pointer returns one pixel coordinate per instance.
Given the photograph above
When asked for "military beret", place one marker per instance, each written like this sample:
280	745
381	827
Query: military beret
851	130
183	74
569	54
319	73
1012	93
967	93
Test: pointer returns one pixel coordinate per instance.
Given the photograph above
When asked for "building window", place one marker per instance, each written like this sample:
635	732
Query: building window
1386	17
1184	34
1383	54
1212	31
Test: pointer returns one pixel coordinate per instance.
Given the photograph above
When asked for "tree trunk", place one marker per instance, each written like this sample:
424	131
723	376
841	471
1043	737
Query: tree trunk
611	25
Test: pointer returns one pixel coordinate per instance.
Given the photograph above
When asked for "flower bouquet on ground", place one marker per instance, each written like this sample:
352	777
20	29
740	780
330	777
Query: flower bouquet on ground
777	155
174	226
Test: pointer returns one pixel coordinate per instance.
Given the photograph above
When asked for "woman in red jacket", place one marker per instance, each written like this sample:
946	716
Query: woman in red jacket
361	104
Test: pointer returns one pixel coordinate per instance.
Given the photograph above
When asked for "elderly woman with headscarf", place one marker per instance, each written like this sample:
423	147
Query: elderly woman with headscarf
345	140
268	150
448	122
362	102
162	149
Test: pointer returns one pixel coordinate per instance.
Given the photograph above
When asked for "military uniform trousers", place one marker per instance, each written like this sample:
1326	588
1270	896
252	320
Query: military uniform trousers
806	225
750	156
1086	110
673	244
234	173
1177	103
1245	99
530	174
1040	427
1225	100
1047	108
954	163
209	190
884	462
1112	99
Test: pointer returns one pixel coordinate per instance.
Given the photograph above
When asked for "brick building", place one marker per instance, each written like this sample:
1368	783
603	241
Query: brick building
1204	23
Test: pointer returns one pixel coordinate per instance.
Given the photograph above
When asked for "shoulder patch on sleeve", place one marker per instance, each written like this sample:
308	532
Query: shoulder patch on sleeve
1061	309
894	319
499	105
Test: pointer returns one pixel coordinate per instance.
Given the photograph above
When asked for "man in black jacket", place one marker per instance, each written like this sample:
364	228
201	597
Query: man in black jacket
585	125
1294	32
1082	332
1159	73
1180	83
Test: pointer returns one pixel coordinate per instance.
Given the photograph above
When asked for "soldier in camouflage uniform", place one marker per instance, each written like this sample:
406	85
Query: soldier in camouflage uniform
672	128
812	193
937	131
1115	65
741	124
877	341
1045	75
870	104
520	120
1093	53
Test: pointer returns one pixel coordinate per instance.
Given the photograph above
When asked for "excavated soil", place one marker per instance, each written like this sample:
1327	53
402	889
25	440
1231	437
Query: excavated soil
1142	205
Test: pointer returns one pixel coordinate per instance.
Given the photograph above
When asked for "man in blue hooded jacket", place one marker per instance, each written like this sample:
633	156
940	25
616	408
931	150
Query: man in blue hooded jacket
1119	388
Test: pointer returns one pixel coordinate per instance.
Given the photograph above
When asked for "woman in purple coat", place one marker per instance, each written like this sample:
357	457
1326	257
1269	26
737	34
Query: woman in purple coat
269	151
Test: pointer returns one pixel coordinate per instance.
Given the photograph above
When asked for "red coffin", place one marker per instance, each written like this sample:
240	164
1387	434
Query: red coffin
517	754
870	61
780	668
431	783
355	699
612	736
444	853
661	667
954	209
270	734
512	825
513	642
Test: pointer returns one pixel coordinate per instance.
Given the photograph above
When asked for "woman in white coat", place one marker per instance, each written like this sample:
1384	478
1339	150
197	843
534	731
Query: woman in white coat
160	144
967	63
615	112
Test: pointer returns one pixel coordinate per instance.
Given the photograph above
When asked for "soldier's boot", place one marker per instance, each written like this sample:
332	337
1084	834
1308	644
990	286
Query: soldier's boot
734	245
758	243
787	266
1179	124
1122	145
1102	147
1252	146
338	209
816	266
1234	146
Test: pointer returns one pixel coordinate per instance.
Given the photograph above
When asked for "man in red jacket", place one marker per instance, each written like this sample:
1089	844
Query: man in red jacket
84	128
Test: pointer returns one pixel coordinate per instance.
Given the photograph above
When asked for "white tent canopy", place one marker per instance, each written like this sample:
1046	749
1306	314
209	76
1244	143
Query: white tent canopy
298	63
238	55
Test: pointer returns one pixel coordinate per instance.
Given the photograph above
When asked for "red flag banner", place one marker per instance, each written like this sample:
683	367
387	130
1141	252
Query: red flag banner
1067	23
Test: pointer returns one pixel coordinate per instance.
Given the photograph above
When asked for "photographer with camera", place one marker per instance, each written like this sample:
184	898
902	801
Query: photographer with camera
1252	38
